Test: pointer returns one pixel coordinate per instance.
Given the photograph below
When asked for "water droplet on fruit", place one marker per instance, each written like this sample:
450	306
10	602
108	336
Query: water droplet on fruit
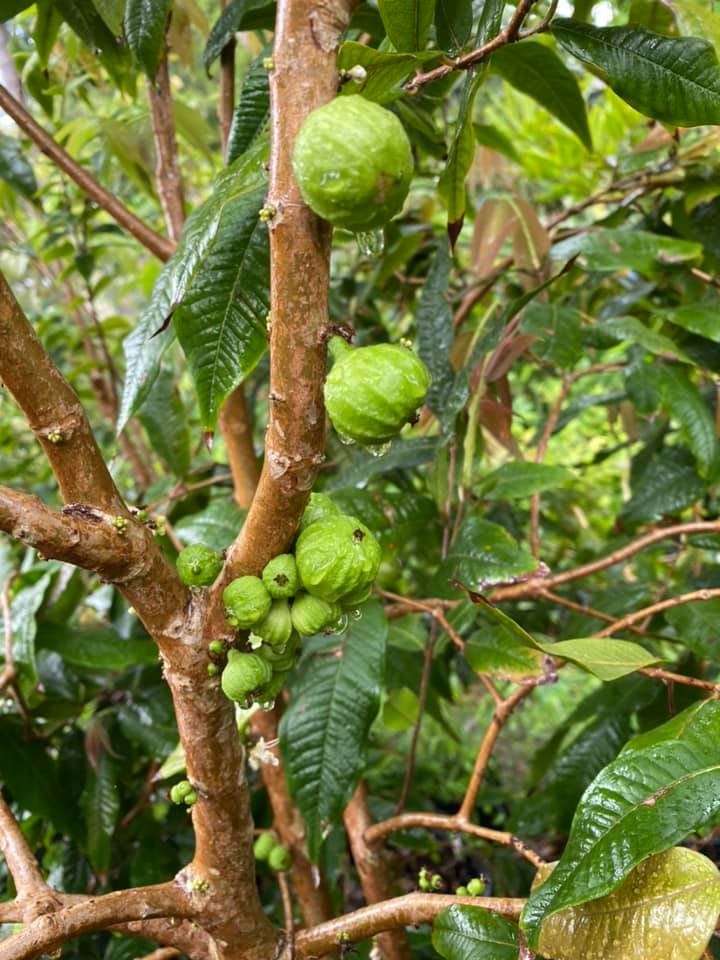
341	625
378	449
371	242
348	441
356	614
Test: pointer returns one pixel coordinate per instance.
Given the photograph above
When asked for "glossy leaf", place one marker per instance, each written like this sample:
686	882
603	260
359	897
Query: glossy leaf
669	484
216	526
23	609
112	13
537	71
252	111
489	136
15	169
685	404
496	651
643	803
96	647
402	454
696	625
484	553
614	249
237	15
676	80
144	25
82	17
635	331
407	22
165	421
700	318
604	657
522	479
471	933
324	731
460	157
453	22
665	910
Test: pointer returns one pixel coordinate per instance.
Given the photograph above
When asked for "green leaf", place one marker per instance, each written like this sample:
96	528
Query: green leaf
672	729
385	70
144	24
29	771
324	731
112	13
484	553
667	907
696	19
522	479
642	803
23	609
216	526
145	346
45	30
252	111
700	318
684	403
453	23
495	650
86	22
635	331
15	169
676	80
400	709
407	22
9	8
96	647
696	624
615	249
604	657
237	15
667	485
536	70
165	421
470	933
488	136
101	805
402	454
460	157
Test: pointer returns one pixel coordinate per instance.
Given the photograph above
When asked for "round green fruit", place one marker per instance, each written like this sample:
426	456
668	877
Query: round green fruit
476	887
247	601
264	845
213	669
311	614
180	791
276	627
279	858
272	689
198	565
244	674
190	799
372	392
461	892
280	577
319	507
282	659
216	648
336	556
353	163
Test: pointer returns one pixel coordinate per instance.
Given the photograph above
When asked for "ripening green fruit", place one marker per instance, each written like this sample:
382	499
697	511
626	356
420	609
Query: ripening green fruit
272	689
246	601
244	674
276	627
190	799
198	565
320	507
280	576
279	858
264	845
353	163
213	669
216	648
461	892
336	556
310	614
372	392
282	658
476	887
180	791
356	597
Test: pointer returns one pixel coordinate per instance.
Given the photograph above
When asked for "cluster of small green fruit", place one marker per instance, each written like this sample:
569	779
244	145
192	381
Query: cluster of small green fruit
277	856
183	792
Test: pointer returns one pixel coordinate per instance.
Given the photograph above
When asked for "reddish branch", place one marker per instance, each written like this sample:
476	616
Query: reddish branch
623	623
19	857
167	169
226	102
409	910
158	245
236	428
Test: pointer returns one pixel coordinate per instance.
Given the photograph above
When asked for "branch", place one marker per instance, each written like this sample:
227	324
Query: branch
414	908
48	932
304	76
631	618
236	429
509	34
167	171
226	101
373	871
156	244
453	824
536	585
21	863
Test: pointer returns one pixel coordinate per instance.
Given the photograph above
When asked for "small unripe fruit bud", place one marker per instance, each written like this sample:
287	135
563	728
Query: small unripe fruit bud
180	791
191	798
264	845
216	648
461	892
213	669
476	887
279	859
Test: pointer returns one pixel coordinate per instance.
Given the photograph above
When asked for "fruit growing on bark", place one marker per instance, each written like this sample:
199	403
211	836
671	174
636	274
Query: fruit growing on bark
280	577
247	601
372	392
244	674
319	507
264	844
279	858
353	163
276	627
336	557
310	614
198	565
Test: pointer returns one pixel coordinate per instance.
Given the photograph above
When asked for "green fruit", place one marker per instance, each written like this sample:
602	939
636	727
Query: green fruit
276	627
356	597
264	844
281	658
246	601
461	892
272	690
244	674
216	648
353	163
180	791
213	669
310	614
190	798
198	565
280	577
476	887
320	507
372	392
279	858
336	556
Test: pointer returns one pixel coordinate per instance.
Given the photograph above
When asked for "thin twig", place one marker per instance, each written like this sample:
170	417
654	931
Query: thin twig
587	611
288	921
694	596
427	607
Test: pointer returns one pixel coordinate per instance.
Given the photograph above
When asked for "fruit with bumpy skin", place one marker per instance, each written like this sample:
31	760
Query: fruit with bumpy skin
247	601
320	507
280	576
271	690
213	669
244	674
356	597
282	658
311	614
276	627
372	392
337	556
198	565
279	859
264	844
353	163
